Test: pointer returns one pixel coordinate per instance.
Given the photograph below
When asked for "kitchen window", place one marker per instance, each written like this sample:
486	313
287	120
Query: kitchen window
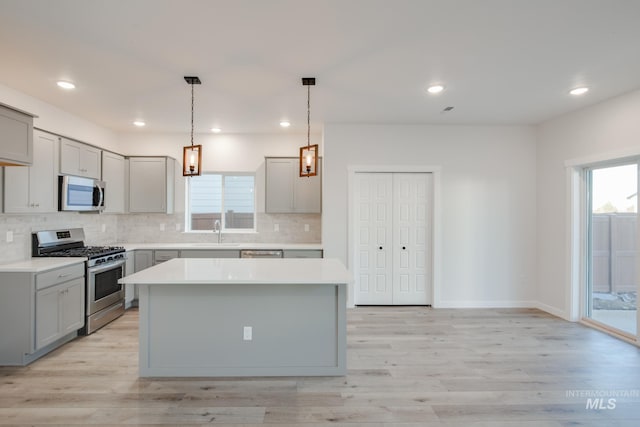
226	197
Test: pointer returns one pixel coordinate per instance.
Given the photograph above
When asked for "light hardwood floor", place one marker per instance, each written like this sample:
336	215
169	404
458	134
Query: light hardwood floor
408	366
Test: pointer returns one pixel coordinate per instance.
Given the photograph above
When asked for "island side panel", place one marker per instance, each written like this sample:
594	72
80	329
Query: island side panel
197	329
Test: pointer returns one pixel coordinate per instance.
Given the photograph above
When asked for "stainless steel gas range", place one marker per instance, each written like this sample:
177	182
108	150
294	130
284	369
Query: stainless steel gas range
104	266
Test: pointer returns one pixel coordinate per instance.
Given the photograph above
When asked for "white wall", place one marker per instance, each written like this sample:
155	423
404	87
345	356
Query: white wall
221	153
487	201
606	130
55	120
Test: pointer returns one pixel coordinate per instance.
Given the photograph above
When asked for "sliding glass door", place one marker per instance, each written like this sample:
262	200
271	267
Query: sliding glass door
612	246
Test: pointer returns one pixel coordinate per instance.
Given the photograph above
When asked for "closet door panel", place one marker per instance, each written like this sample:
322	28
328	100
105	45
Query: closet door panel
411	231
374	216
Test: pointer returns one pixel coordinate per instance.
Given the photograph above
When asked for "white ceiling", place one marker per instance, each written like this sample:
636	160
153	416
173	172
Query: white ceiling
502	61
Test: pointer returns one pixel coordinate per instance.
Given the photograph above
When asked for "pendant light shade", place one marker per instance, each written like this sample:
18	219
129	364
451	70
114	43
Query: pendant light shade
309	160
192	160
192	154
309	153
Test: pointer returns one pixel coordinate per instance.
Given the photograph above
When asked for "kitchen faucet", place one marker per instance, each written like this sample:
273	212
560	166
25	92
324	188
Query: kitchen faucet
217	229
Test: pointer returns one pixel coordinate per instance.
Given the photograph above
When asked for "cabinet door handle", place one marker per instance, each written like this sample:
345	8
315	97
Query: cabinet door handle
404	248
60	276
380	248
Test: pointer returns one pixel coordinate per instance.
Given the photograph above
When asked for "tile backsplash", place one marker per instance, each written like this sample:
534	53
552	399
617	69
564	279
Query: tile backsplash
109	229
153	228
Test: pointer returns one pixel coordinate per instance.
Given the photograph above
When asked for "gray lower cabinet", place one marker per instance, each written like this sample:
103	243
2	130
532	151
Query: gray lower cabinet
39	312
162	255
59	311
215	253
303	253
129	289
142	259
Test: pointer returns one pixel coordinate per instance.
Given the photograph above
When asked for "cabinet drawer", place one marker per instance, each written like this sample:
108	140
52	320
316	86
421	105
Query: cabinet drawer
59	275
303	253
217	253
162	256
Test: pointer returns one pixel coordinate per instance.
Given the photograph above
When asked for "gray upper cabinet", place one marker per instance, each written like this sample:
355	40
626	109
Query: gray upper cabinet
16	137
80	159
287	192
113	173
151	184
33	189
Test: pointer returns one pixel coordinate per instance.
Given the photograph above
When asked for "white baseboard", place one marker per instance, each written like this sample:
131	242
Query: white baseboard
500	304
486	304
552	310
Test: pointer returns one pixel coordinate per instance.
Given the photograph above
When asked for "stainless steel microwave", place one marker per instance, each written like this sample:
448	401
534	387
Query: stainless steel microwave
80	194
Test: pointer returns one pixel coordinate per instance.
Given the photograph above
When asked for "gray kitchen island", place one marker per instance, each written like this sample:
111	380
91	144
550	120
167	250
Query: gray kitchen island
242	317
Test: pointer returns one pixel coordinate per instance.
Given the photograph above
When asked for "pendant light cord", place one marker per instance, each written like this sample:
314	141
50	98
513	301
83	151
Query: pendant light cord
192	114
308	117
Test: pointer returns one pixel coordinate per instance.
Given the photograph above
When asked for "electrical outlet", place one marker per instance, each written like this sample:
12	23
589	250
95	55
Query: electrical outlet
247	333
104	228
9	236
306	227
276	227
177	226
162	227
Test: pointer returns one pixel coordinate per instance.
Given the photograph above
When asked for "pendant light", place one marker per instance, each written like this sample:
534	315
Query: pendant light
192	154
309	153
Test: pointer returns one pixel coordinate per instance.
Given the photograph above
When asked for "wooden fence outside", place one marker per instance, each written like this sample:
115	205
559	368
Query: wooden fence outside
614	252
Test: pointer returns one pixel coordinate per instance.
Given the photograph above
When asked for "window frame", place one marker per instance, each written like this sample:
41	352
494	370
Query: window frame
223	228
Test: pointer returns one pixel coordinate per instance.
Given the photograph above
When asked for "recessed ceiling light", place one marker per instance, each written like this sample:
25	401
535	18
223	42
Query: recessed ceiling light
66	85
216	130
139	123
579	91
435	89
285	124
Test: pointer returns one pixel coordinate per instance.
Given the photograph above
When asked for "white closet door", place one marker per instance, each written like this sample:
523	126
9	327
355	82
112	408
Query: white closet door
374	238
411	238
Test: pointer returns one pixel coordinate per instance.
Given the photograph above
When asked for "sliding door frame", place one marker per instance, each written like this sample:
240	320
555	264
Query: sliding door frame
578	176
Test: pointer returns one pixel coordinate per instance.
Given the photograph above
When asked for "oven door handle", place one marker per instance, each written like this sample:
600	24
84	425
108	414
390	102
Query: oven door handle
106	267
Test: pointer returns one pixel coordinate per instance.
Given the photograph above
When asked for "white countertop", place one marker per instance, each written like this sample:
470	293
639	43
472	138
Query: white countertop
242	271
38	265
213	245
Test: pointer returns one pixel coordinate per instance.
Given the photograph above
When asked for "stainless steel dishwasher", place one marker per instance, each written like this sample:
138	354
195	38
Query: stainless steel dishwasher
261	253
